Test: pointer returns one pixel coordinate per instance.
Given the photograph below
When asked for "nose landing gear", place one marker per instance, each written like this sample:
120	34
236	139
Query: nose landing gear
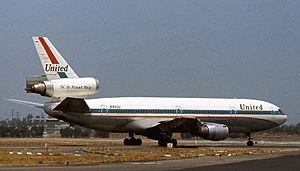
132	140
165	138
249	142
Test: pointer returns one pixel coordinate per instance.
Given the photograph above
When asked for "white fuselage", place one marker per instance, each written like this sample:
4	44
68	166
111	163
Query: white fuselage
154	117
135	114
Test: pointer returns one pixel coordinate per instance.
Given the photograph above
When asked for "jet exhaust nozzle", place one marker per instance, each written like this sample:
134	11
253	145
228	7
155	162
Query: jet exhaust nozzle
42	88
39	88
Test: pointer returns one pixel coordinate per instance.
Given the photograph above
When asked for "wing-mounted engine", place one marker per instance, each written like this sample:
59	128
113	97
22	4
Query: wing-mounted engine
212	131
67	87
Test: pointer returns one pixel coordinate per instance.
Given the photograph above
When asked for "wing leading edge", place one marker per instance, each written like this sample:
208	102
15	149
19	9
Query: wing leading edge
73	105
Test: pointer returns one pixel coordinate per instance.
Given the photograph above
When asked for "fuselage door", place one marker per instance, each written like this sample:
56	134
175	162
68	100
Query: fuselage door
272	112
232	111
104	110
178	111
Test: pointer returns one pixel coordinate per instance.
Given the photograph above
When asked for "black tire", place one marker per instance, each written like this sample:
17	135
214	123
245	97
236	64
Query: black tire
132	141
250	143
138	141
126	141
174	142
162	143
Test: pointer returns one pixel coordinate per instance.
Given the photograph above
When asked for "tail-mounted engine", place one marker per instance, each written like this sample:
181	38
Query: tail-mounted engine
67	87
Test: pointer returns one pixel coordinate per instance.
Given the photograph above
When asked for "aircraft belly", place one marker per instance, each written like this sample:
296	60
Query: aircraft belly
108	124
121	124
99	123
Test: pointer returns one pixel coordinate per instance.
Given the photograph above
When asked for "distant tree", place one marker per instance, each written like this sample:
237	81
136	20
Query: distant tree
185	135
86	133
67	132
21	127
291	129
77	132
24	131
39	130
33	131
101	134
4	131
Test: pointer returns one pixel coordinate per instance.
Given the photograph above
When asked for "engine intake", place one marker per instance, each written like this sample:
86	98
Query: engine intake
67	87
212	131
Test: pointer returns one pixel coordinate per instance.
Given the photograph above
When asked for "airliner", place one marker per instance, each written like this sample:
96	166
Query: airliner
73	100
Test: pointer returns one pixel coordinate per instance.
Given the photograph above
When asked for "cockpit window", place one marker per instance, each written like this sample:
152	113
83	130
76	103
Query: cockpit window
280	111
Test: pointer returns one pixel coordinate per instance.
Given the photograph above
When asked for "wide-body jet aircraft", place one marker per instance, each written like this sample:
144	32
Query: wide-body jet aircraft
154	117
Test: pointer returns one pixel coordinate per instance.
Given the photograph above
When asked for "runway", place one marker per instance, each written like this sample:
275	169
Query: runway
288	160
151	144
285	161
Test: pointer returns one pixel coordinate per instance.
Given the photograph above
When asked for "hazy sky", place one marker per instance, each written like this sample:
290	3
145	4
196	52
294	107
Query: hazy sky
243	49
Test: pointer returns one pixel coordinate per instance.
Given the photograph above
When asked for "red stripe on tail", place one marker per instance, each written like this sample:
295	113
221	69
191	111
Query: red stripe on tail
48	51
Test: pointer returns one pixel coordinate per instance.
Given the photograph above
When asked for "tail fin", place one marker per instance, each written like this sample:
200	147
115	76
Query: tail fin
54	65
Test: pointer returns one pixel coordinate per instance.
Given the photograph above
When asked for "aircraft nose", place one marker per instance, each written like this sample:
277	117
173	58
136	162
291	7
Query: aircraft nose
282	119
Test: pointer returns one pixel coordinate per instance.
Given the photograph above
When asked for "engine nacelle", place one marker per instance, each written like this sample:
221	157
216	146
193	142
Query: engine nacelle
67	87
212	131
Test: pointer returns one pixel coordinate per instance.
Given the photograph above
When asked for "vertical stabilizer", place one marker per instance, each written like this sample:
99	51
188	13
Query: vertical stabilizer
54	65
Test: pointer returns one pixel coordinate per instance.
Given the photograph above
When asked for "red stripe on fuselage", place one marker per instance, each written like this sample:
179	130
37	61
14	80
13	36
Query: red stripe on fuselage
48	51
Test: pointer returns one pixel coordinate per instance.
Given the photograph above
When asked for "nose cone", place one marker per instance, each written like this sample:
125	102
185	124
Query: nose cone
281	119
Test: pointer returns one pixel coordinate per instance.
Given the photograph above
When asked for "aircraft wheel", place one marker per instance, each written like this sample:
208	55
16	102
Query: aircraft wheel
132	141
165	142
126	141
162	143
138	141
174	142
250	143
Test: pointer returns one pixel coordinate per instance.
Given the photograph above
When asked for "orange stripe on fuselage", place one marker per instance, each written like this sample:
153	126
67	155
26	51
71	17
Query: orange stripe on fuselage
48	51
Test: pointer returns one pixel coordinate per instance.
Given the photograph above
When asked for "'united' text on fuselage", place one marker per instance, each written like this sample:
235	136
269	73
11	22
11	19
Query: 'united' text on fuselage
251	107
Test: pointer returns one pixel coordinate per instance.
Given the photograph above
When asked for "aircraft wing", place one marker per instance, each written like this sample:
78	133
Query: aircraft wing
73	105
162	123
32	104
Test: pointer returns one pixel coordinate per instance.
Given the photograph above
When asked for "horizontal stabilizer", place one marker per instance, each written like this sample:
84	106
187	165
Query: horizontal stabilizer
33	104
73	105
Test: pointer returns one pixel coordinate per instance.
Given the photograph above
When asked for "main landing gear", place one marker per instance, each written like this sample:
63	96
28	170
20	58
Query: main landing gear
165	138
164	142
249	142
132	140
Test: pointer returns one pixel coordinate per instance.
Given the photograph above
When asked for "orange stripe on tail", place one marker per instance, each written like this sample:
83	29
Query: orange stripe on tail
48	51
